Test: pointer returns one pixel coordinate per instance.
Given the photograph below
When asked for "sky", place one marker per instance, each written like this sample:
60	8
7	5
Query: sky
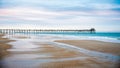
103	15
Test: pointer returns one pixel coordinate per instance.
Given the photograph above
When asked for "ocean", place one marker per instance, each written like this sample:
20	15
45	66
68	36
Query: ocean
101	36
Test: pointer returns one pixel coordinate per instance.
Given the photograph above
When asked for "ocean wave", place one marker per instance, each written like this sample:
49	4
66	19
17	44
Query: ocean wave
98	38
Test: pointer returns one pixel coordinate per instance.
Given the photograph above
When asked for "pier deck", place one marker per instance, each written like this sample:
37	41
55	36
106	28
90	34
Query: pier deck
92	30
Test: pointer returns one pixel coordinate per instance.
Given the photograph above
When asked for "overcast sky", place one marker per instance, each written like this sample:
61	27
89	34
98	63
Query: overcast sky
104	15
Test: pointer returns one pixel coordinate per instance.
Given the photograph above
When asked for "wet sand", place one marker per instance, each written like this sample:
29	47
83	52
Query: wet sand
58	52
90	62
105	47
87	63
4	46
33	58
67	58
50	55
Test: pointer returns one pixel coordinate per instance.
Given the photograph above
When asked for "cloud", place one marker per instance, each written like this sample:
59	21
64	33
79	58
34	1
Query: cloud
43	16
39	14
28	13
62	13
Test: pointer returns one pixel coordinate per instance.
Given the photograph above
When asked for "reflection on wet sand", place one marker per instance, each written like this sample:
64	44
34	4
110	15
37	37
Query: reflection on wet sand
32	52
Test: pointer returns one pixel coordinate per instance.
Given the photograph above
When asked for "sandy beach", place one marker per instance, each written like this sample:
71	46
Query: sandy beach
106	47
27	52
88	63
4	46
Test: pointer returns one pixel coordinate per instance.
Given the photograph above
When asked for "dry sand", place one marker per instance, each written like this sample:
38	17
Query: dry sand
112	48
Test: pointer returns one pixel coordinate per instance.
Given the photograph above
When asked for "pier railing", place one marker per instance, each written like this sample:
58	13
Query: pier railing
13	31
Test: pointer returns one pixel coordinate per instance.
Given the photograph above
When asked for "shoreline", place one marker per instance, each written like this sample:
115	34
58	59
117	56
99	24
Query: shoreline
93	45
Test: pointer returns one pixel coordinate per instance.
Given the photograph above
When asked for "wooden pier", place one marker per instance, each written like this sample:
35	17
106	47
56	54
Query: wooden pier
12	31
